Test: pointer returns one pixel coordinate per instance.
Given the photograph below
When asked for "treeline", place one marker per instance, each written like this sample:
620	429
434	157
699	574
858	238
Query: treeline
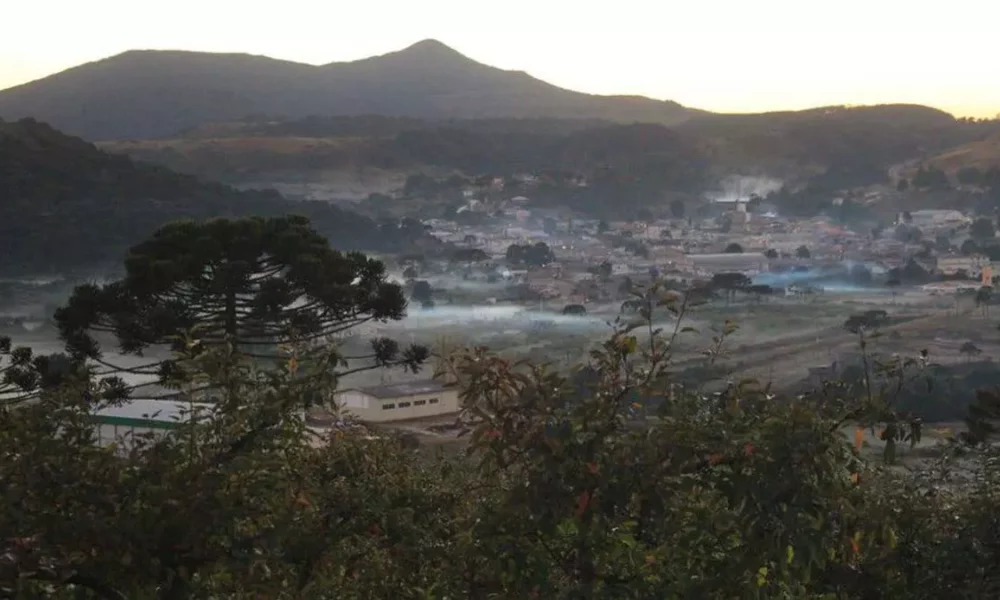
382	126
570	486
65	204
845	141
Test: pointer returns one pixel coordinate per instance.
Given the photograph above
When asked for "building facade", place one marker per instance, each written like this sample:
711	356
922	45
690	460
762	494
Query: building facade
748	263
972	265
399	402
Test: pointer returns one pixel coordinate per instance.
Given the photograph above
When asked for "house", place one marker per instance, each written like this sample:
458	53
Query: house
972	265
399	401
748	263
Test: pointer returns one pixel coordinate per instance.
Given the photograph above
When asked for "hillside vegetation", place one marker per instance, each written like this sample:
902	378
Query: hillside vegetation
65	204
980	154
835	135
863	142
143	94
468	146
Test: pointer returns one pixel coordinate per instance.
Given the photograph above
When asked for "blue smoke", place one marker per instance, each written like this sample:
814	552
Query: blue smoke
835	278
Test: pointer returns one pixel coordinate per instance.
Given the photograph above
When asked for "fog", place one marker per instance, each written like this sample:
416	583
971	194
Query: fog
493	317
741	186
834	279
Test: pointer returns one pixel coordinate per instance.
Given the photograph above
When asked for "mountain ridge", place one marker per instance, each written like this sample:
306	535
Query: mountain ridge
155	93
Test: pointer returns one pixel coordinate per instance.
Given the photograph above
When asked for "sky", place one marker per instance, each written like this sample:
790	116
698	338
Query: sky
719	55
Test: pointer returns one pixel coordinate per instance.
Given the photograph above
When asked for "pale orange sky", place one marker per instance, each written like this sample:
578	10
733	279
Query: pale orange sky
721	55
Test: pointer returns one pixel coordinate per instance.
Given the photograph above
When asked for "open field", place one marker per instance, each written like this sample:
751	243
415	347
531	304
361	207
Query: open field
778	342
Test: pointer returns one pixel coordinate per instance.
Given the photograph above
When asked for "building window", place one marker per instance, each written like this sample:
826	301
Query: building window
388	406
419	402
404	405
433	401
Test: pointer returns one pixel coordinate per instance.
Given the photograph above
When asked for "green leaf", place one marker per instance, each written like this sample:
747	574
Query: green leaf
762	576
789	554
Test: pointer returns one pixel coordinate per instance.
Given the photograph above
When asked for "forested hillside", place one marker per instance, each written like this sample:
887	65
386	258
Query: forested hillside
862	143
65	204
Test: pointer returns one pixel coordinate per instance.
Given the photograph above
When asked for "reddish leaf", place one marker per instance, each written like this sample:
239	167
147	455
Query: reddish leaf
582	502
748	449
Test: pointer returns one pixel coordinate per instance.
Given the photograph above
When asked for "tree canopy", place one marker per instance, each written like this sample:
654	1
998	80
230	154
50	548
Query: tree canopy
530	255
254	283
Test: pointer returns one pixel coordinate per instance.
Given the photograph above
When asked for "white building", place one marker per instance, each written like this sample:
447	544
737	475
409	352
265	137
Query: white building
399	401
937	218
118	424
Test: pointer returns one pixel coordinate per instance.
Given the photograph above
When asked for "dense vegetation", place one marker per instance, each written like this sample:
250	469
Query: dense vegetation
573	486
64	204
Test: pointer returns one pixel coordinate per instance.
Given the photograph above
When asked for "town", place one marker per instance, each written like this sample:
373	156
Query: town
544	283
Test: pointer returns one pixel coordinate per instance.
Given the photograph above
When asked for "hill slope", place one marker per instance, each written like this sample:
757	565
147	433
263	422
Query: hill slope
379	150
144	94
788	145
981	154
64	204
830	136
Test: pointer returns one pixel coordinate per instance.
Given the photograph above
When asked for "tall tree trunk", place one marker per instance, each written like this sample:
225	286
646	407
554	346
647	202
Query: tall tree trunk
231	314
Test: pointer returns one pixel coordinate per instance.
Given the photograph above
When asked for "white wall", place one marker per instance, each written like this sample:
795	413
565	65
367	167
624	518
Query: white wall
369	408
123	434
353	399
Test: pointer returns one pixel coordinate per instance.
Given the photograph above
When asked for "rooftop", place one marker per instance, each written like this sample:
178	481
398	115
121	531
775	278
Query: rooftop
728	255
408	388
140	412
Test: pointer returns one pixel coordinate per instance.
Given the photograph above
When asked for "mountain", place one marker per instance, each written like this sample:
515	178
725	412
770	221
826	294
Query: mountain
65	205
147	94
830	136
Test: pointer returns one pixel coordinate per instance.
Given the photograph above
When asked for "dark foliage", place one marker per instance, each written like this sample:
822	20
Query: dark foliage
64	204
253	283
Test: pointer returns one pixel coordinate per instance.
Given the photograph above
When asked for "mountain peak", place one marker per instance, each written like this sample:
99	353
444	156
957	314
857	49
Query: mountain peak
429	52
431	45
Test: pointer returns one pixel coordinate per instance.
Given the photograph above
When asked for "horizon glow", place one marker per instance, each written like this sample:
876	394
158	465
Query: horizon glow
721	55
